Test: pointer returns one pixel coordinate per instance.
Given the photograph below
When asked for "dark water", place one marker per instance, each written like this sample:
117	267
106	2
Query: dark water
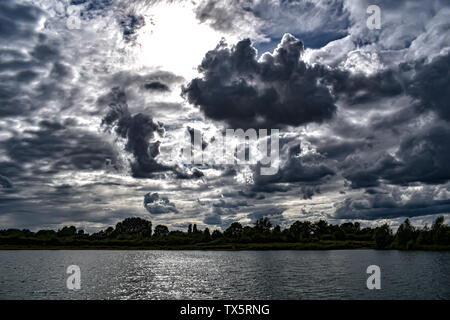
224	275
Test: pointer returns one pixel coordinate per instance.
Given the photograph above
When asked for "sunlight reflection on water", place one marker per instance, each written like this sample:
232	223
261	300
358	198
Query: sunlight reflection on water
224	274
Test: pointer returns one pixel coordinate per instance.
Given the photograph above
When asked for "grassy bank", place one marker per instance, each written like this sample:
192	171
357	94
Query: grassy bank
323	245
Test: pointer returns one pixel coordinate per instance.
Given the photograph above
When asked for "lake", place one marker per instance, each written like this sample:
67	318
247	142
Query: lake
337	274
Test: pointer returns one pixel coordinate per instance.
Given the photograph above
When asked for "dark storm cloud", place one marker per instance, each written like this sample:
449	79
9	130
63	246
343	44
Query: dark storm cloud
215	218
431	85
271	187
187	175
17	21
230	204
157	86
31	82
9	169
137	129
308	168
156	81
158	205
421	153
245	194
37	207
130	24
358	89
58	147
308	192
421	157
362	179
275	215
45	52
280	90
421	150
339	149
388	206
5	182
25	57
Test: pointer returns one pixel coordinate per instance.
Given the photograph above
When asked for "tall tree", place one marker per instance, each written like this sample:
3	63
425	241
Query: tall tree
405	234
263	225
134	227
234	231
161	230
383	236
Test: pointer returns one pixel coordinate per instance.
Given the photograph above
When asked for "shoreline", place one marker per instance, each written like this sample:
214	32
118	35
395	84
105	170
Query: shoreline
226	247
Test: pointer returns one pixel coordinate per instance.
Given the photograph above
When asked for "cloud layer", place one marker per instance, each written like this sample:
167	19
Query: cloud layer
93	119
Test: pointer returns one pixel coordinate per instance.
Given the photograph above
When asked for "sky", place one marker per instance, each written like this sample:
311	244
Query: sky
97	97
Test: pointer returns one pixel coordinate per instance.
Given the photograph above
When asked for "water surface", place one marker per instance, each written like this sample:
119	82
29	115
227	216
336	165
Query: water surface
338	274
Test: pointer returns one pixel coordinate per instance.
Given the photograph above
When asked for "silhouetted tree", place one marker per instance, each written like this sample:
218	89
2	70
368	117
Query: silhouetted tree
338	233
320	228
383	236
45	233
350	228
300	230
425	236
216	234
206	235
405	235
134	227
440	231
160	231
234	231
277	229
263	225
109	231
67	232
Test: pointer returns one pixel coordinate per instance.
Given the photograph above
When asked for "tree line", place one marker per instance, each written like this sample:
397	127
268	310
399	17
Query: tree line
138	232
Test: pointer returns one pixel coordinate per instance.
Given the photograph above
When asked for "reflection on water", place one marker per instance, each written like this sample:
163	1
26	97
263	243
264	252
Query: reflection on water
224	275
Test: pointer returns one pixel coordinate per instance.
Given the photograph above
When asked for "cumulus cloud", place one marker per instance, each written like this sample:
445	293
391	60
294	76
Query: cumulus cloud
277	91
317	23
137	129
158	205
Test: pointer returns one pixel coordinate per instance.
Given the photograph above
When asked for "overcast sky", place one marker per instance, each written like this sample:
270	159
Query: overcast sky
96	97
